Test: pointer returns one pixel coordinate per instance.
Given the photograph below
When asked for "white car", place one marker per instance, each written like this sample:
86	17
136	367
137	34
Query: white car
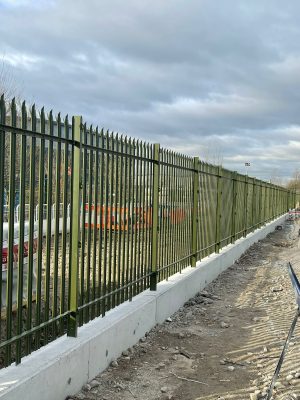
16	262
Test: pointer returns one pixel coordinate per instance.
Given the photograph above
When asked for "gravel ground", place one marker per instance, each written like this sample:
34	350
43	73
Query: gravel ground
224	343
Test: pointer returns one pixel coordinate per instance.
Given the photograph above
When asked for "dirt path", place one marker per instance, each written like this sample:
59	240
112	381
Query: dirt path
224	343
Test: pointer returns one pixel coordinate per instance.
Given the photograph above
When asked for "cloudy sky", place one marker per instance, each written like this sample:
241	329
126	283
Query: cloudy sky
215	78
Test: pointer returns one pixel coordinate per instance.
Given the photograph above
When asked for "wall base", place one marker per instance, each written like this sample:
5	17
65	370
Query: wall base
65	365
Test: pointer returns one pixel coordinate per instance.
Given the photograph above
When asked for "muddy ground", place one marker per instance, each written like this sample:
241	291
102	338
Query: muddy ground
225	342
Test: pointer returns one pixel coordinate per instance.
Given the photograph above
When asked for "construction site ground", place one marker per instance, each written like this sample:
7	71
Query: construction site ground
222	344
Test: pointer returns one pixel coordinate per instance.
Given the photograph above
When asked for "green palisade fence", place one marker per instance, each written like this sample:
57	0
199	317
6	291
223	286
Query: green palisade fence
93	218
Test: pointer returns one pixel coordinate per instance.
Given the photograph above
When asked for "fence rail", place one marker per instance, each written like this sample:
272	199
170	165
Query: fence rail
124	215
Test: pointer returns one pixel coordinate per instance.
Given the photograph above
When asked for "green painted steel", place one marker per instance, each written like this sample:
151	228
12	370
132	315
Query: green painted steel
11	220
75	216
41	172
30	284
3	140
21	234
246	194
218	210
94	218
234	207
155	206
56	198
195	211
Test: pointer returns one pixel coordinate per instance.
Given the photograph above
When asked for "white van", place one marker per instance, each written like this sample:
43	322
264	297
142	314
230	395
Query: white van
16	262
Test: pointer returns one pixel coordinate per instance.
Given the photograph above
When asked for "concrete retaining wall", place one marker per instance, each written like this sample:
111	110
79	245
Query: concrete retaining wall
61	368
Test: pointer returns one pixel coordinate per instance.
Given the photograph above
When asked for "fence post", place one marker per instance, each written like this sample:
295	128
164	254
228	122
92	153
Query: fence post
270	203
218	213
246	206
273	200
155	199
258	196
195	211
203	239
266	200
75	227
234	210
277	201
253	219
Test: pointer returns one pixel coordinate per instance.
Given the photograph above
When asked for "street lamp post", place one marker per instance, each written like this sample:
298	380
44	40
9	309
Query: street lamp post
247	164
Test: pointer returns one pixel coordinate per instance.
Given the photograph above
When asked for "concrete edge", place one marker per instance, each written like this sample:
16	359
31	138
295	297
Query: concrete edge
65	365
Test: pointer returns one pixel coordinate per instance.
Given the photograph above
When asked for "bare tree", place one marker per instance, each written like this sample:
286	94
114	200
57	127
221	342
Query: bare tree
9	85
294	183
275	177
10	88
213	153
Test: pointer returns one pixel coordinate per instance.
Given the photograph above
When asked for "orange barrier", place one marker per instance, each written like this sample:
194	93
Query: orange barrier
124	219
118	218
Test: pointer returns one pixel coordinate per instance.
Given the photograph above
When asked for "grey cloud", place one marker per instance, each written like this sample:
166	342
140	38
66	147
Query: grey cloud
186	74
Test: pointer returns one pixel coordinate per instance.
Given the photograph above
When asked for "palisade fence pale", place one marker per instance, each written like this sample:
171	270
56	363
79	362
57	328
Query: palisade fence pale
92	218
